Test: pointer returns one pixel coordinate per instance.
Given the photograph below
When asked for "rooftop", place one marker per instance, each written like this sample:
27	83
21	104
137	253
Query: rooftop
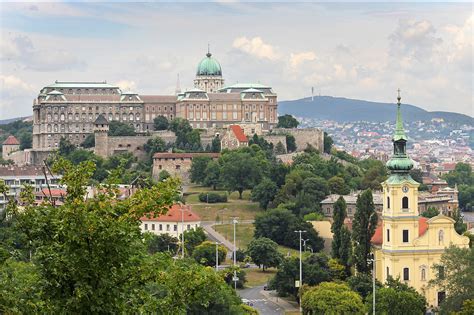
176	213
169	155
239	133
85	84
377	238
11	140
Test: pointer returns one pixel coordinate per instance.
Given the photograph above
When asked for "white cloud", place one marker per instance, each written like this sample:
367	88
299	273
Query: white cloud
20	49
13	86
126	85
297	59
256	47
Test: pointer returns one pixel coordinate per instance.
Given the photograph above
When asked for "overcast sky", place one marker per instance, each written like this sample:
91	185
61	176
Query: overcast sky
363	51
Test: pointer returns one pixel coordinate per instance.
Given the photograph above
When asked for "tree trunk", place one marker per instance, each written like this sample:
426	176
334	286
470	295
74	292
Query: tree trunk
240	194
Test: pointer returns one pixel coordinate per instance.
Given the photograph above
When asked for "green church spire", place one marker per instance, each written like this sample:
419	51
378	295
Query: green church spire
400	162
399	130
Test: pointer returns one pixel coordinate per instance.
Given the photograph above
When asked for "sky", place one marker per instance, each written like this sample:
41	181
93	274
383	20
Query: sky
354	50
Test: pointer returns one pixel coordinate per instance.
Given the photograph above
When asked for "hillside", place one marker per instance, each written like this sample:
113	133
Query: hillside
344	109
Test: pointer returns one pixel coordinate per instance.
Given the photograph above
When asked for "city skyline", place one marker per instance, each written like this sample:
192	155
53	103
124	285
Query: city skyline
421	48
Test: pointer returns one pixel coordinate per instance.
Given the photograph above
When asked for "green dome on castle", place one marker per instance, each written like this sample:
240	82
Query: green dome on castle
209	66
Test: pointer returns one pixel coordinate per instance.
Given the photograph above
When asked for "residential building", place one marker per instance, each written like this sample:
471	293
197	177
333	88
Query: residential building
176	164
178	219
234	138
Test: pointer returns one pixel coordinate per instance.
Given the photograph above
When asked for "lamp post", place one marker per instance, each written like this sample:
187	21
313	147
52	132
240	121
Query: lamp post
182	209
301	268
372	259
234	222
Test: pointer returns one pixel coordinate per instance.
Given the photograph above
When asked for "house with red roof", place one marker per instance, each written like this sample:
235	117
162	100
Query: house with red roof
179	218
10	145
234	138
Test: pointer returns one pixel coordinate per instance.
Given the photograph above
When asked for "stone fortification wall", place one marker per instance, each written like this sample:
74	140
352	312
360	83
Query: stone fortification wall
304	136
274	139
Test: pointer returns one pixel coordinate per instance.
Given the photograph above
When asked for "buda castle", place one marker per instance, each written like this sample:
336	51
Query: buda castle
69	109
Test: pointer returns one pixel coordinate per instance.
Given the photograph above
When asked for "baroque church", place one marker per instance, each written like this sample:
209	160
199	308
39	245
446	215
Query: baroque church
69	109
406	244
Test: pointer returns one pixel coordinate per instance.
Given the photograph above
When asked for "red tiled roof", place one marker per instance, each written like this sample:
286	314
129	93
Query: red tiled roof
11	140
55	192
449	166
175	214
377	238
168	155
17	171
239	133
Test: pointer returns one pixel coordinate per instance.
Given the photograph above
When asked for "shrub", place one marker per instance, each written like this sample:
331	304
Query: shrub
212	197
314	216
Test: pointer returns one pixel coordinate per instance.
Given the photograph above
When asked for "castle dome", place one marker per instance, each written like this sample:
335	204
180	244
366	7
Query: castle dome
209	66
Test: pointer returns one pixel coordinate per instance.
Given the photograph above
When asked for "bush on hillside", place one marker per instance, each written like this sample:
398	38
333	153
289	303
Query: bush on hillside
212	197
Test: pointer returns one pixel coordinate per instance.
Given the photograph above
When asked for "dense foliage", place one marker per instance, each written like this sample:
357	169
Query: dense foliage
212	197
287	121
332	298
120	129
264	253
463	177
455	275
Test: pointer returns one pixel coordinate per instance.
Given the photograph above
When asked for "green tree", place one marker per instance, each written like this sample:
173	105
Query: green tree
213	174
161	243
362	283
89	141
264	252
26	140
337	185
462	175
287	121
339	216
198	169
454	274
264	192
332	298
328	142
193	238
216	145
205	253
117	129
363	228
290	143
239	171
430	212
280	148
160	123
65	147
397	298
466	197
459	224
153	145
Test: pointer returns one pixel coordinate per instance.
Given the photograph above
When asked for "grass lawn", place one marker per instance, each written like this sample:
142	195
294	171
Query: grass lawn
256	277
243	233
222	212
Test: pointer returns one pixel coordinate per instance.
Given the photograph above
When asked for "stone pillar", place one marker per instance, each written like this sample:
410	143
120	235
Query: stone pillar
101	129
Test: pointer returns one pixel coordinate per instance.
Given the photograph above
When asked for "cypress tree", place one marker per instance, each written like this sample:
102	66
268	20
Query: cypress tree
339	216
363	228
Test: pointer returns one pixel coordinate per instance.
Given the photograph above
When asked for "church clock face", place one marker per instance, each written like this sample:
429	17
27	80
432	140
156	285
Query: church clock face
405	189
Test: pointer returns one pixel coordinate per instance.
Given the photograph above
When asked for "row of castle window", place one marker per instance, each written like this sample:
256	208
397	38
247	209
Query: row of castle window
90	108
159	108
90	116
88	91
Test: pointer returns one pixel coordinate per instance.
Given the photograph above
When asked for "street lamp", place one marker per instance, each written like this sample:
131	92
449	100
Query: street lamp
372	259
301	267
182	209
304	244
235	279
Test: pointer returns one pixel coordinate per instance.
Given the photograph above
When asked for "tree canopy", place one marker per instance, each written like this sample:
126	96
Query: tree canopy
264	252
287	121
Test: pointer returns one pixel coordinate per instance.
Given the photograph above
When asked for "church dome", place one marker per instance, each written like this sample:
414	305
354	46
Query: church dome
209	66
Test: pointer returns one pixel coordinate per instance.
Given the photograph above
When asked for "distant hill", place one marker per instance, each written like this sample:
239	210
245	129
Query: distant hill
10	120
344	109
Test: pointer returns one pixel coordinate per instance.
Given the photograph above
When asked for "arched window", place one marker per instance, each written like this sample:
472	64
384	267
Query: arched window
406	274
441	237
423	273
388	202
405	202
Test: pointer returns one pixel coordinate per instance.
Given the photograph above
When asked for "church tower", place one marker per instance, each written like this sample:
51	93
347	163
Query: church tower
400	191
101	129
209	75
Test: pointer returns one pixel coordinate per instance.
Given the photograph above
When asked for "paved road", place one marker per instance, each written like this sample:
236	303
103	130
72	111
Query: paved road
215	236
260	302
